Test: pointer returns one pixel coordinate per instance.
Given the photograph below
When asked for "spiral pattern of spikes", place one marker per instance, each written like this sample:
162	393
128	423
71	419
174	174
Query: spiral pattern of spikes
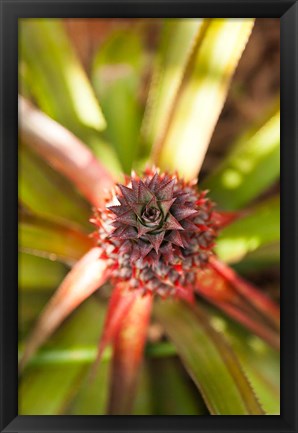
156	232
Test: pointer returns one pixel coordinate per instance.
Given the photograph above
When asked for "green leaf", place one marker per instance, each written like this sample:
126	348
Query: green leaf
30	304
48	389
52	75
262	258
39	274
143	401
55	76
64	152
260	228
260	362
91	398
172	393
46	192
85	277
201	95
209	360
88	354
250	168
46	238
116	77
128	349
177	41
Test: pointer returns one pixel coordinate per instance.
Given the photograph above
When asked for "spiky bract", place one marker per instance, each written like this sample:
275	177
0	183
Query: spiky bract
156	232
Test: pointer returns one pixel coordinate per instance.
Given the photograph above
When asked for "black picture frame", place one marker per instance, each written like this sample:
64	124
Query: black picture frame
11	10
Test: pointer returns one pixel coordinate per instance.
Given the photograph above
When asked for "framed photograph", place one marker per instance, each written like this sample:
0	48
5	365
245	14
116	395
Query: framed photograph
149	248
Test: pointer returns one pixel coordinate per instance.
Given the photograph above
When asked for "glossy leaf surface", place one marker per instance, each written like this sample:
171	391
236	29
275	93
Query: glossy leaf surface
57	80
177	40
209	360
202	95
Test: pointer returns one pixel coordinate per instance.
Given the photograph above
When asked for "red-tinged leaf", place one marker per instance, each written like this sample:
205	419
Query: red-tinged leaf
127	355
185	294
120	302
247	290
250	322
224	219
65	152
85	277
59	240
222	293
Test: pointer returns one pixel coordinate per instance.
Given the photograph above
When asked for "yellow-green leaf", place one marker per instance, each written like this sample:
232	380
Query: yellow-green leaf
48	193
39	274
201	95
177	41
51	74
46	238
56	77
264	257
252	165
260	227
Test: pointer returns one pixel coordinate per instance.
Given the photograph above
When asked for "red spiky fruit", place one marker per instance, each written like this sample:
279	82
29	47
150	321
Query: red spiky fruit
156	232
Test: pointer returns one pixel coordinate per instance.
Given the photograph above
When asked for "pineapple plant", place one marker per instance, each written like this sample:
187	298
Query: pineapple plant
149	263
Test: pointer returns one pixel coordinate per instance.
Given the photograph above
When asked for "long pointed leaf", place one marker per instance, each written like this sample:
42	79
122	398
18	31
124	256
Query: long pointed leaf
86	276
92	396
87	354
209	360
172	394
116	76
56	77
66	153
30	304
56	241
46	192
39	274
260	363
128	349
241	301
51	74
253	296
119	305
260	227
262	258
143	399
252	165
48	388
202	95
177	42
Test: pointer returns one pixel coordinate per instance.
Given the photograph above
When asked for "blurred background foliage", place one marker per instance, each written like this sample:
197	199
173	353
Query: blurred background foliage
125	88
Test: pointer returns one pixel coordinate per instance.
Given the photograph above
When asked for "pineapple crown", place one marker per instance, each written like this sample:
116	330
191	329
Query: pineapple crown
156	231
